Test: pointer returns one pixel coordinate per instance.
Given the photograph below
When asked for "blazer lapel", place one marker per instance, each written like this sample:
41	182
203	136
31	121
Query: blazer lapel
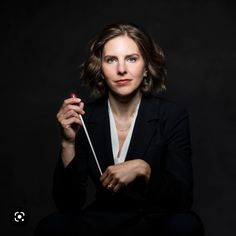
144	129
99	130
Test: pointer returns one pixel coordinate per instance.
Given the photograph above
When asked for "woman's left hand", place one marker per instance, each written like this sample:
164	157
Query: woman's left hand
117	176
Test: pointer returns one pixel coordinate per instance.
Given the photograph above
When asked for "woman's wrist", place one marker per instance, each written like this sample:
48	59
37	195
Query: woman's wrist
67	144
144	170
67	152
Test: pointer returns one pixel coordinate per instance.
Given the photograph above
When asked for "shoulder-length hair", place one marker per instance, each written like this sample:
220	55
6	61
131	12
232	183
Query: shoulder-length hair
91	68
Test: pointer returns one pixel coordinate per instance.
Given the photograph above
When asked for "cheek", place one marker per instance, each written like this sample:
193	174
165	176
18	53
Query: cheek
137	71
138	74
107	71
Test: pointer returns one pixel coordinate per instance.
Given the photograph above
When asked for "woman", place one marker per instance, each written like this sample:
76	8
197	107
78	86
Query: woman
142	143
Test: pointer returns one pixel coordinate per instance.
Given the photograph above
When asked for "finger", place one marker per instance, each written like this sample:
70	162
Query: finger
64	118
110	182
106	173
117	187
110	187
70	114
106	180
70	110
81	105
76	107
114	185
70	101
68	122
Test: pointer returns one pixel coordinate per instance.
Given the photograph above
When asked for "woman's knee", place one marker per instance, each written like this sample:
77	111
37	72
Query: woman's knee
185	224
53	224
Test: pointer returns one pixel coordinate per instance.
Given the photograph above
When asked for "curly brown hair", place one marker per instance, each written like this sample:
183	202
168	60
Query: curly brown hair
91	72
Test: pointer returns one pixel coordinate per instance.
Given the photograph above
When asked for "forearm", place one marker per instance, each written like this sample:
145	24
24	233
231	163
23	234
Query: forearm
67	152
69	185
143	169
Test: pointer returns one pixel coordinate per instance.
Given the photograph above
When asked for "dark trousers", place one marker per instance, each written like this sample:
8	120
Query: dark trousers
178	224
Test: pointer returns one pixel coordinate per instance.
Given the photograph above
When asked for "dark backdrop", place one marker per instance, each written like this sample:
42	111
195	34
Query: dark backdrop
43	44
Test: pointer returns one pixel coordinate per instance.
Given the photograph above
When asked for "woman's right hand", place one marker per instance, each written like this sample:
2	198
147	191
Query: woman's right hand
68	118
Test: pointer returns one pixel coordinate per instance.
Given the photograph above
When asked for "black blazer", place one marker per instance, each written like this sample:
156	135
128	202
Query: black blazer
161	137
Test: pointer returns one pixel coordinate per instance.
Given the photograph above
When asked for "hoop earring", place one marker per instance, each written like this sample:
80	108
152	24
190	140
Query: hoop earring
101	83
146	80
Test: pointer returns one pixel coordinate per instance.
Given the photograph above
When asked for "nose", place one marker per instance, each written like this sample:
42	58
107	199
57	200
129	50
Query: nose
121	70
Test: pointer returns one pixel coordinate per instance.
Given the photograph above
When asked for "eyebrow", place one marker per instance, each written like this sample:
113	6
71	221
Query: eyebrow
129	55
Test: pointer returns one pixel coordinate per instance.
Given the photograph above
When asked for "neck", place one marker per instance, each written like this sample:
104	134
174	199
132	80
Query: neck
124	107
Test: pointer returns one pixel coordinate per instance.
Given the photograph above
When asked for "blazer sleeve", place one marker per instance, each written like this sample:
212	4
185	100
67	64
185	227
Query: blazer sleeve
171	182
69	183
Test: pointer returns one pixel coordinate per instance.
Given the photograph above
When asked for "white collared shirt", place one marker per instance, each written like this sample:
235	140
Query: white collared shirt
114	136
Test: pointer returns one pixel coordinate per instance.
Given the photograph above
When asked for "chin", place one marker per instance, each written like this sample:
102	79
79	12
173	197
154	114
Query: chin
125	95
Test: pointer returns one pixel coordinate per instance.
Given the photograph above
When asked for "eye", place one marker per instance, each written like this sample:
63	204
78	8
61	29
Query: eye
111	60
132	59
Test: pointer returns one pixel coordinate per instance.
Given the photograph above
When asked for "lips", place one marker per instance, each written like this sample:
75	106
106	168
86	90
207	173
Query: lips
123	81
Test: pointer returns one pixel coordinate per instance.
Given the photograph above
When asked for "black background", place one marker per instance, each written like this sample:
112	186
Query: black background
42	45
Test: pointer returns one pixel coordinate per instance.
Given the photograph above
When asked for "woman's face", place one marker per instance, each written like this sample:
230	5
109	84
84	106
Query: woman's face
123	66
